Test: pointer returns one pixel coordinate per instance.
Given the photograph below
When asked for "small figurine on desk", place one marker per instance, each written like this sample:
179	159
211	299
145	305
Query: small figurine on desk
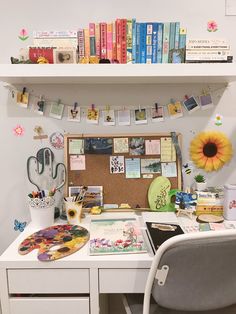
185	203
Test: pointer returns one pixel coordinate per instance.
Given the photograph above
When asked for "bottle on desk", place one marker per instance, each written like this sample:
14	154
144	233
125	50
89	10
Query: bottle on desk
229	201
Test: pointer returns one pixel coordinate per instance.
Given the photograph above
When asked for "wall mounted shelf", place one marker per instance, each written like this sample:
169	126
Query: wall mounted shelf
118	73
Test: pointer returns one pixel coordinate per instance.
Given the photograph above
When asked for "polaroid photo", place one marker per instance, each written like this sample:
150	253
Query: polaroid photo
124	117
56	110
206	101
73	114
140	116
108	117
157	114
22	99
92	116
191	104
39	107
175	110
64	56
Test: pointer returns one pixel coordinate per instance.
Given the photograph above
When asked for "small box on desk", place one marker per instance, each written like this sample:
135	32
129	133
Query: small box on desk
209	209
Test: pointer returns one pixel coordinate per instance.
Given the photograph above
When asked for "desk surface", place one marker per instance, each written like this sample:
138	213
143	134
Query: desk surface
11	258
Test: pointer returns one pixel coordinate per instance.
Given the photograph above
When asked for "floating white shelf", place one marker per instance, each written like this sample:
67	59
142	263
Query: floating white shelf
117	73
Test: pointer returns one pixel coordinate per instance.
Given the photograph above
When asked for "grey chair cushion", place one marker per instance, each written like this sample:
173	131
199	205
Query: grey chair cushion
135	302
202	275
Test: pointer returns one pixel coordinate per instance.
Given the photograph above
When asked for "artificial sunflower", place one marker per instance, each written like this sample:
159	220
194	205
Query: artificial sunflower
211	150
72	213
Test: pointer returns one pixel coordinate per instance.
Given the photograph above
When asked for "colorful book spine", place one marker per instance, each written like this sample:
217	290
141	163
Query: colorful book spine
159	42
149	34
92	39
154	42
86	43
143	42
81	50
114	52
133	40
129	40
182	37
103	40
166	42
118	40
123	41
177	28
137	50
109	41
172	36
97	40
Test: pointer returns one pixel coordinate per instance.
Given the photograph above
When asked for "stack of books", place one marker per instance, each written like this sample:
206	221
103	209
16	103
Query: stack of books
210	202
207	51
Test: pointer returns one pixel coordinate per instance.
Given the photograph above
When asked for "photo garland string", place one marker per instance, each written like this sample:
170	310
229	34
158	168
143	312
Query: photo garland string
174	108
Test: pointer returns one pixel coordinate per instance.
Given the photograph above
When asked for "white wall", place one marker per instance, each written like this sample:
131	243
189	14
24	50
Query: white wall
71	14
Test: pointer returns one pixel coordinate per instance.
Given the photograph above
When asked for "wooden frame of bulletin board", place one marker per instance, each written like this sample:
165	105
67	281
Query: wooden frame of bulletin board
116	188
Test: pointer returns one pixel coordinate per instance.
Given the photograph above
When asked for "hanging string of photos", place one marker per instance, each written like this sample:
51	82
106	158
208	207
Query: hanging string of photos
174	109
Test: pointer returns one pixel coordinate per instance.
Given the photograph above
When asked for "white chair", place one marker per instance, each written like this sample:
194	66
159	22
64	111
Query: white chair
191	273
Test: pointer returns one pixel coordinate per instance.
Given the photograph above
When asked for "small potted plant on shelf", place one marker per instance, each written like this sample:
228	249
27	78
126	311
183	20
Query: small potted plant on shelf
200	182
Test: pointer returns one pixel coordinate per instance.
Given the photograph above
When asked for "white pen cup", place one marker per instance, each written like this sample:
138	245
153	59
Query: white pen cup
42	211
73	212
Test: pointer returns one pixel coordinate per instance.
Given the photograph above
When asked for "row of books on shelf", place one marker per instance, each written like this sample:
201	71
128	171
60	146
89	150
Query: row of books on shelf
208	50
122	41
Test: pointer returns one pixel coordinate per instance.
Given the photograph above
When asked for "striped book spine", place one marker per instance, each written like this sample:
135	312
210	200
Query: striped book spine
154	42
129	40
114	52
81	50
103	40
159	42
149	34
143	27
133	40
86	43
97	40
166	40
137	55
118	40
109	41
177	28
123	41
92	39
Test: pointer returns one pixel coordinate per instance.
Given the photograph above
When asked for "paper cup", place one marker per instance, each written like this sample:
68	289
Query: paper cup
73	212
42	211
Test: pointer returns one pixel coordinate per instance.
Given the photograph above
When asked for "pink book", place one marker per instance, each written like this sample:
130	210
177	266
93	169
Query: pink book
109	41
97	40
103	40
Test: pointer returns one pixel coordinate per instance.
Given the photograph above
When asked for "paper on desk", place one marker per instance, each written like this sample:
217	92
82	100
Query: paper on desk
165	217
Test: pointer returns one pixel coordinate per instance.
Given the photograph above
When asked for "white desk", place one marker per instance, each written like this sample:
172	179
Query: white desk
72	284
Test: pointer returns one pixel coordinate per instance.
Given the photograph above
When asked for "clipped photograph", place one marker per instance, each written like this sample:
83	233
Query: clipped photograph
157	114
191	104
140	116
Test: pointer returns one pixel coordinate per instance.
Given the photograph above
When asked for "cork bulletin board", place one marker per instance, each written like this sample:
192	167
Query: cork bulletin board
117	188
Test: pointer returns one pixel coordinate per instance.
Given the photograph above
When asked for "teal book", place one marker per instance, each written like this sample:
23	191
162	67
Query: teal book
177	28
159	42
166	42
182	37
143	45
137	48
154	42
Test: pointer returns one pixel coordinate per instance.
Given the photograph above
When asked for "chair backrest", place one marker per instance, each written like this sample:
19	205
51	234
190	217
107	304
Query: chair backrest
201	275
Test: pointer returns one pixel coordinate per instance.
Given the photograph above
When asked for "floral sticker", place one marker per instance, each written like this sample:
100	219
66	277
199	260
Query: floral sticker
218	120
18	130
212	26
23	34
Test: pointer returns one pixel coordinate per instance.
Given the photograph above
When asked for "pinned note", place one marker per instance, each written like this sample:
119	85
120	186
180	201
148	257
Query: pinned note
152	147
76	146
168	152
77	162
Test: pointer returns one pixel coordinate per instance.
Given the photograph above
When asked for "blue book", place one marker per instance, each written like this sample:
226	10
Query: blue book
182	37
154	42
166	42
137	50
172	36
149	34
159	42
133	40
143	42
177	28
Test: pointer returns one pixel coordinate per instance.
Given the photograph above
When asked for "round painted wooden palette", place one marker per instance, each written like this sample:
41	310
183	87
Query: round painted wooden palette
55	242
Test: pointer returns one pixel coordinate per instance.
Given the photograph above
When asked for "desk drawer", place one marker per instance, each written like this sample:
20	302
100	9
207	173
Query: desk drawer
48	280
122	280
57	305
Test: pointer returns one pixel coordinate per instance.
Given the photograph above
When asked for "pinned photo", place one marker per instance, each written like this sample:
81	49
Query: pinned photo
137	146
108	117
191	104
22	98
140	116
56	110
73	113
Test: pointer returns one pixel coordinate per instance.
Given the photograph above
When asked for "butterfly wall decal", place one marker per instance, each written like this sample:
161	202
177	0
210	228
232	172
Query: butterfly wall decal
19	225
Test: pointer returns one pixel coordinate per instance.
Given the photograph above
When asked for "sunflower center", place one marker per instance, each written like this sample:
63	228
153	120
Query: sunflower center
210	149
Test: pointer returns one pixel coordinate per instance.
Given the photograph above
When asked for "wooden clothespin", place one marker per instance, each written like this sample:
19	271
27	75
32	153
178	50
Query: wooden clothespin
22	94
156	107
186	97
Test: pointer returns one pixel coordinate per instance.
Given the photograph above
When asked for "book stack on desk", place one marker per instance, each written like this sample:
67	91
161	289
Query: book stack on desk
209	202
